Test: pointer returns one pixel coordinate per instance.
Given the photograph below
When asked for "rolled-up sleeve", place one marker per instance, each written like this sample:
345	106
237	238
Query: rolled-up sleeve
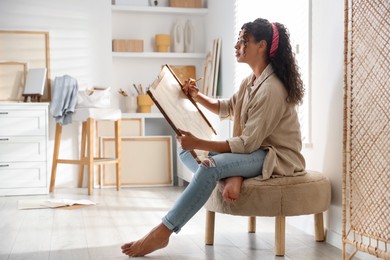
236	144
224	111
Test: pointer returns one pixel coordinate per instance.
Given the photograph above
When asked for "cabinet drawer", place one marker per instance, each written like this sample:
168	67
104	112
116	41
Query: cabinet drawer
22	175
23	149
22	122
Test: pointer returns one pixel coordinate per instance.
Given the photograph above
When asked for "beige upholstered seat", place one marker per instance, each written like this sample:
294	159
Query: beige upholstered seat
276	197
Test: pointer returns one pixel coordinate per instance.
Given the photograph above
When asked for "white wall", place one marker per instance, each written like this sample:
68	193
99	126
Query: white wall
81	45
327	104
220	24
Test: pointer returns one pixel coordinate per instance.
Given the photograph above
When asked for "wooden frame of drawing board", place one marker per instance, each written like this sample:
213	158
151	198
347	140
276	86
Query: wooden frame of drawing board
30	47
179	109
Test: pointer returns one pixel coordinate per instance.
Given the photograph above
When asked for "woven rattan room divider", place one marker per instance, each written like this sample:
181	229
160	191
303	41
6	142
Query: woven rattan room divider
366	177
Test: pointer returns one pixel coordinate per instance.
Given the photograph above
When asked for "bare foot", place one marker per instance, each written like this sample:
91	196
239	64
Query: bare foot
232	188
156	239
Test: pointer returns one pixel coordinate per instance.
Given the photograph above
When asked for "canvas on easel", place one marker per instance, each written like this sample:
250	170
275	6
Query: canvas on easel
35	83
179	109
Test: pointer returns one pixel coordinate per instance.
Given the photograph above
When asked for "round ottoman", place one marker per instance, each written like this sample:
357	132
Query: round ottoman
275	197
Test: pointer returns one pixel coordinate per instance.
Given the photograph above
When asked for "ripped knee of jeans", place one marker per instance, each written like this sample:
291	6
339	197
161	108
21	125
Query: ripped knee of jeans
209	162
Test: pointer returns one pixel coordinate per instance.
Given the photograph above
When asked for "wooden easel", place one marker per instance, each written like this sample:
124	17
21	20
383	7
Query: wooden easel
34	97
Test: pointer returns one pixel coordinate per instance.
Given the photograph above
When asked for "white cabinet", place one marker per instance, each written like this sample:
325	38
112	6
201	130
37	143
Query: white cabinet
23	148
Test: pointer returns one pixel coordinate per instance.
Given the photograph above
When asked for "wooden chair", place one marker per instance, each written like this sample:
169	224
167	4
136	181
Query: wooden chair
276	197
88	117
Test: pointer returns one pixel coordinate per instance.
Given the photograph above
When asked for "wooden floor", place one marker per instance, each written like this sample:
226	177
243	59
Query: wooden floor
97	232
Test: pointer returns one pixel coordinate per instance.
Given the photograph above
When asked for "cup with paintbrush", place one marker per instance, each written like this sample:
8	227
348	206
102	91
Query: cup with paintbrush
144	101
130	101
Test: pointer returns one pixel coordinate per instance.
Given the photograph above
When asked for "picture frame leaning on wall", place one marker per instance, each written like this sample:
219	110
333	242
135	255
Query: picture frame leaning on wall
17	47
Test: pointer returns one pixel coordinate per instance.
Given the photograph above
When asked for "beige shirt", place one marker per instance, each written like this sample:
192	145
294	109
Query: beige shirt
264	120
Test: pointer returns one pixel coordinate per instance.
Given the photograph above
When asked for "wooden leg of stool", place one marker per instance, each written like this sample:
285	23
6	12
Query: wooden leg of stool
90	148
57	143
82	153
319	227
280	229
252	224
118	150
210	223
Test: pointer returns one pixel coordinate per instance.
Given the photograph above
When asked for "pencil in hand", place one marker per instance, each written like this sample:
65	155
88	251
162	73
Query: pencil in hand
195	80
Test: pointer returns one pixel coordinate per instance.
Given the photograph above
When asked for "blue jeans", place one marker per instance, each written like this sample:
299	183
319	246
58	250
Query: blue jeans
205	179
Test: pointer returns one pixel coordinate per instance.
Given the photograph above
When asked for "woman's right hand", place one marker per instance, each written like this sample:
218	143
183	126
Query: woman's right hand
190	88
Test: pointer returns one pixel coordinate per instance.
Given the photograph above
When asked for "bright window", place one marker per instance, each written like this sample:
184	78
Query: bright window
295	15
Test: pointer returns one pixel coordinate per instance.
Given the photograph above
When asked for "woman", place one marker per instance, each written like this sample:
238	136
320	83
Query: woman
266	134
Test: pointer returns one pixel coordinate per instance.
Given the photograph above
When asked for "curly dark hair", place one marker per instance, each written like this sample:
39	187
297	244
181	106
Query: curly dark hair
284	62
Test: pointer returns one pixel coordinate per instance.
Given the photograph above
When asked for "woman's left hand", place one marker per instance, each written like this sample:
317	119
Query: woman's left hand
187	140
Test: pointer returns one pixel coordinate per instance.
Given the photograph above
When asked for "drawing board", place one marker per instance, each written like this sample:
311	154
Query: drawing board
180	110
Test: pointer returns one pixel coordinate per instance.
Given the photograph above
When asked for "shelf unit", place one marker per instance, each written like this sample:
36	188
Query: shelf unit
166	10
143	23
158	55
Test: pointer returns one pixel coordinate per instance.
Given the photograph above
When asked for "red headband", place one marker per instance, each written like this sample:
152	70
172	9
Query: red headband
275	41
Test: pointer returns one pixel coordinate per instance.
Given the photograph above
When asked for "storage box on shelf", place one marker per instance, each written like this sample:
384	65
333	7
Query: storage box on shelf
119	45
186	3
23	148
